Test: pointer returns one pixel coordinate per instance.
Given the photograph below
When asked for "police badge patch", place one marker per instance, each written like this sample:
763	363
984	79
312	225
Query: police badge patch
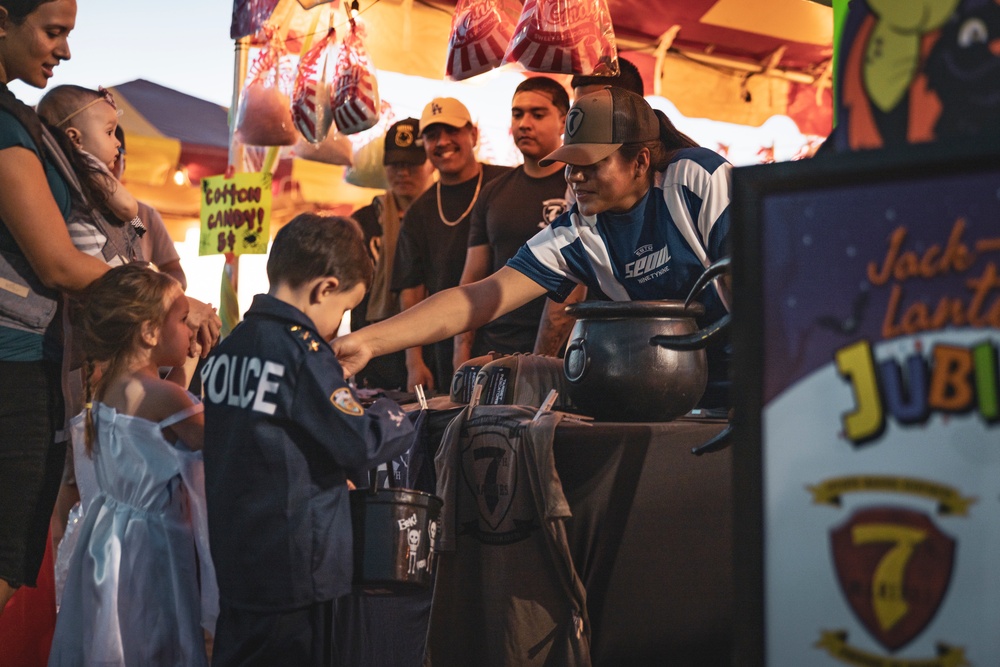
344	401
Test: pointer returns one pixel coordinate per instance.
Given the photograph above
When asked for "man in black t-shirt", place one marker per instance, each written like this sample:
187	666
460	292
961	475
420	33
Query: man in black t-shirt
430	253
513	208
408	174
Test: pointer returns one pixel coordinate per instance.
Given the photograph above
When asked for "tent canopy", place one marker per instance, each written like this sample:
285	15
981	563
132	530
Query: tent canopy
751	31
192	134
202	123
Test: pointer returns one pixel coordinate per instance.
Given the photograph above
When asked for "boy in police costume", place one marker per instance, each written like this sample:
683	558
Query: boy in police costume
281	429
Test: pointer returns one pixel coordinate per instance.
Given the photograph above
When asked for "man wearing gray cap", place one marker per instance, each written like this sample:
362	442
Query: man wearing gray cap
625	238
408	174
435	232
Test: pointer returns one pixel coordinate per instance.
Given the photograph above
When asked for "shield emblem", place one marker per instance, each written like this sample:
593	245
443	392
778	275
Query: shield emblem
894	567
490	470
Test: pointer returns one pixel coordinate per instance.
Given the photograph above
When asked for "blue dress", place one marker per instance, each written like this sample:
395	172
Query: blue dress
132	588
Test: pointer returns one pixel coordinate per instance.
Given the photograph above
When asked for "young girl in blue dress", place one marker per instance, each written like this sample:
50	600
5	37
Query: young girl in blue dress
132	590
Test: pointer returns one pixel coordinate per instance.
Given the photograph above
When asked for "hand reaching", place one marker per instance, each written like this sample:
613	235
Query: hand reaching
352	353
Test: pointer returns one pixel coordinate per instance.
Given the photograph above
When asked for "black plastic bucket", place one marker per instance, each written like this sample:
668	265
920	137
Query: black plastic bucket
394	534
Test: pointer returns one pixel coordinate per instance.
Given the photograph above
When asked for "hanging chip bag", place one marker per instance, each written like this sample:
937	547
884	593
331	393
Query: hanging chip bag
265	117
565	37
311	107
355	100
480	33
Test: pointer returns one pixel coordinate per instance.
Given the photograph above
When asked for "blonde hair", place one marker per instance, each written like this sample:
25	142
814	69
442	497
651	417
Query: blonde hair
108	321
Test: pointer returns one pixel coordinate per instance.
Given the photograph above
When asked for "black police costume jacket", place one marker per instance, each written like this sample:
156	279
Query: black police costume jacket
281	429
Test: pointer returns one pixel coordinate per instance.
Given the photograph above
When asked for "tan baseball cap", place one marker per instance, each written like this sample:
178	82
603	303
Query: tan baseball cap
446	110
599	123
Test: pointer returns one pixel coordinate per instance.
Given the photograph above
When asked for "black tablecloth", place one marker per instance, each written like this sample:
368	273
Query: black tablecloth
651	536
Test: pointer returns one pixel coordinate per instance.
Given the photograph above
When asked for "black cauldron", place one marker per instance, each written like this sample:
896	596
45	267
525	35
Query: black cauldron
616	374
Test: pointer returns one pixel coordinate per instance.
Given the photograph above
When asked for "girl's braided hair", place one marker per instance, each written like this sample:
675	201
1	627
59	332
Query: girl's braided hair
107	324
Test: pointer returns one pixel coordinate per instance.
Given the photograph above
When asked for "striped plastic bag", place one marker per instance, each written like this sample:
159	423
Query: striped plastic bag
311	106
565	37
355	98
480	33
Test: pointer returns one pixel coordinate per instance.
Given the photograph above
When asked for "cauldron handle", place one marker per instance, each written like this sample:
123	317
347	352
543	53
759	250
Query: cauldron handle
721	440
576	350
711	273
373	481
693	341
699	339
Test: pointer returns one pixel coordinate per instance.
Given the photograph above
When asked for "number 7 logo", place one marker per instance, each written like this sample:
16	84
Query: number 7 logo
894	567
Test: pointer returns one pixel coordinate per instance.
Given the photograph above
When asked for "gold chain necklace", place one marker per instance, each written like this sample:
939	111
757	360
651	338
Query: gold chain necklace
445	220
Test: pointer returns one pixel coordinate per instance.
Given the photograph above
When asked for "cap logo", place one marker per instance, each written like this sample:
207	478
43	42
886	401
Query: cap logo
404	136
574	120
435	109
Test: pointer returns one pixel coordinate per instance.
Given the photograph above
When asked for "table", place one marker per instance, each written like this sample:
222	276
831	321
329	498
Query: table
651	537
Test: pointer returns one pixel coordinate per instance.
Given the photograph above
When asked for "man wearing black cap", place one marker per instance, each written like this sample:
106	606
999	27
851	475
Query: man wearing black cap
408	173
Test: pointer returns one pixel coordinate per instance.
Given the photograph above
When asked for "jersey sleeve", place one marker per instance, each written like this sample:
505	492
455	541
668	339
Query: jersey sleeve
542	258
356	438
697	188
367	218
15	135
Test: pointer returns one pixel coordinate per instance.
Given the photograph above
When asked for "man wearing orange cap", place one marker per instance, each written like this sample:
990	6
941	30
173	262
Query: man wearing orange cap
430	253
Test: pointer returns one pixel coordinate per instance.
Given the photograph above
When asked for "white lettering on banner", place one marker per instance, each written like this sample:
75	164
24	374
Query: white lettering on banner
220	375
407	523
647	263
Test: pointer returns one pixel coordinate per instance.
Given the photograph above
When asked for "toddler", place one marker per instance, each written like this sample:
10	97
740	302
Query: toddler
104	220
132	588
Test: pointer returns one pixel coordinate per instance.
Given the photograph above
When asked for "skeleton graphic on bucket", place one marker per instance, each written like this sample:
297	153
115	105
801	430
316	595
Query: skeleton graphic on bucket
412	550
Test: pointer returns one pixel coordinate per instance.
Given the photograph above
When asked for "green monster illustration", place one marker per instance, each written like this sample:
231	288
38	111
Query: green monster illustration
884	90
892	55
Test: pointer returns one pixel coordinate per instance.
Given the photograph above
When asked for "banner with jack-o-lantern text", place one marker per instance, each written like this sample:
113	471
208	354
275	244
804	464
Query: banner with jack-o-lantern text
878	402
